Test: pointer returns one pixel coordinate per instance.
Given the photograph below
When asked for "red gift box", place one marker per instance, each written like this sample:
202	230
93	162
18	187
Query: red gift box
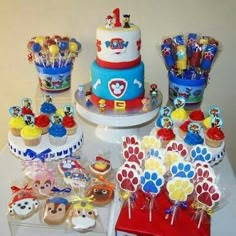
185	223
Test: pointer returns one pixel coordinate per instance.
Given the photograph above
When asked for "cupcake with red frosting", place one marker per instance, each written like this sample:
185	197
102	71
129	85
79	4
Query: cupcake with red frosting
183	129
42	121
215	136
68	120
197	116
166	133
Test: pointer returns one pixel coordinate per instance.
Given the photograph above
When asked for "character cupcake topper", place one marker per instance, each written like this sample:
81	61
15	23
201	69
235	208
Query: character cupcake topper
165	111
69	110
166	122
194	128
29	119
214	111
26	102
47	98
56	119
179	102
216	122
15	111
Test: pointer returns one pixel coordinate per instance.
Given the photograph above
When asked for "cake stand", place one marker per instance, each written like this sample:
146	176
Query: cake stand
113	125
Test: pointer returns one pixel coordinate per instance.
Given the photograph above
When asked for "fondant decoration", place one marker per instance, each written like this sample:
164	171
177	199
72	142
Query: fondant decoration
110	84
56	210
23	203
119	105
101	166
82	214
177	147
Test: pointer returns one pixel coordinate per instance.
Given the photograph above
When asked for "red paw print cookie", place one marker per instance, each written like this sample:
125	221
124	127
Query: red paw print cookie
134	154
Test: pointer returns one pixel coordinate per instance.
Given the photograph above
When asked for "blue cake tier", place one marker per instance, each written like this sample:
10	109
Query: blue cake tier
110	84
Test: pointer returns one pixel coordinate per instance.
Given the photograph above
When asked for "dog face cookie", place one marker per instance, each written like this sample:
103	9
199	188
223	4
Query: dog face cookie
102	193
83	216
56	210
23	205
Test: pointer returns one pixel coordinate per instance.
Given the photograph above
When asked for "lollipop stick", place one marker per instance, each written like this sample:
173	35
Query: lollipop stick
68	59
150	209
173	215
200	219
129	208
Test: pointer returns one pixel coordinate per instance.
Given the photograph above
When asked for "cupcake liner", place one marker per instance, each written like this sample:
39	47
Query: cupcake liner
57	141
32	142
182	133
71	130
213	143
16	131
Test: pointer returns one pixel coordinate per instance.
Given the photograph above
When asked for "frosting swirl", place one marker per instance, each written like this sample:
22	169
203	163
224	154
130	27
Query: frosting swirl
27	111
57	130
165	134
215	133
31	132
42	121
196	115
207	122
48	108
68	121
193	139
179	114
17	122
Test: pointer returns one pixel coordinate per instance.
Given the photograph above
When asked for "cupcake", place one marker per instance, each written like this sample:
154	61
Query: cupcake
165	135
193	137
42	121
16	125
16	122
164	111
31	135
196	116
179	115
183	128
47	107
57	134
68	120
70	124
214	137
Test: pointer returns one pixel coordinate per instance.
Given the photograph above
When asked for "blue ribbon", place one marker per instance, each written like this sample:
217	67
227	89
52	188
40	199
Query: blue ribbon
63	190
42	155
170	210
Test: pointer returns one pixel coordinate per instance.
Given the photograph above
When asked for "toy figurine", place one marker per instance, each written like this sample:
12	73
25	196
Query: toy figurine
126	21
102	105
153	93
146	104
109	22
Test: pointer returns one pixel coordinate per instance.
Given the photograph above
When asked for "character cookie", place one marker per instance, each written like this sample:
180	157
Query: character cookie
102	193
23	204
83	216
101	166
56	210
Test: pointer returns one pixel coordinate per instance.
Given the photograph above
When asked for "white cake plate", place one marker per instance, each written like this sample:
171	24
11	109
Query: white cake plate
19	149
113	125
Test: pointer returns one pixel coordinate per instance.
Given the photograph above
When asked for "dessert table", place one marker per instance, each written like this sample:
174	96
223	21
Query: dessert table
222	220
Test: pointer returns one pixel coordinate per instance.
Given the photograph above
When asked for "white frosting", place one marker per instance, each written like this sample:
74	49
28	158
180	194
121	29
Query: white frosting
128	50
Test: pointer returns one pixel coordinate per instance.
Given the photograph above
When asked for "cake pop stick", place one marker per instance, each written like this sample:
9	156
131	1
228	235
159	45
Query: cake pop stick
54	50
63	45
36	48
73	48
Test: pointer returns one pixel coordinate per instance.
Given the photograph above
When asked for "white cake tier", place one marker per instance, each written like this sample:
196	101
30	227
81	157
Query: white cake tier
44	149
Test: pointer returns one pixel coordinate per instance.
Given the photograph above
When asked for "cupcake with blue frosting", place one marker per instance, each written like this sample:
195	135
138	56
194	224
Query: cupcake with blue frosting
57	132
47	106
193	136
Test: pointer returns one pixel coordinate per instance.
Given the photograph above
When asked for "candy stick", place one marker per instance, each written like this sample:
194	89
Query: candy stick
129	208
73	48
63	45
36	48
174	213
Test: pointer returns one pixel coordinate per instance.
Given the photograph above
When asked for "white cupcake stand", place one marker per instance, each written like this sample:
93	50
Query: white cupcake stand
113	125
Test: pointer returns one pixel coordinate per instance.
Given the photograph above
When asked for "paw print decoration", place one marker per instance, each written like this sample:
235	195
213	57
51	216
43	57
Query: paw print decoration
177	147
134	154
201	153
182	169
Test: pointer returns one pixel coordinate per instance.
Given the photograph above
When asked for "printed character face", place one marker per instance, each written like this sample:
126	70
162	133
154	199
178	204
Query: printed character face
83	219
56	210
16	111
42	187
23	207
101	193
27	103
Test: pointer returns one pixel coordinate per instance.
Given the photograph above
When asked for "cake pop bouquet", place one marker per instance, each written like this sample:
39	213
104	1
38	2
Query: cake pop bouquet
189	60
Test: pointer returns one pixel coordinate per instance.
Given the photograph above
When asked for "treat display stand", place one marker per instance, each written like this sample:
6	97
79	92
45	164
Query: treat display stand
113	125
221	223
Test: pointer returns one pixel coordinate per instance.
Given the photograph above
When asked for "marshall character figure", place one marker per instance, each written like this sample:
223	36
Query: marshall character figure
109	22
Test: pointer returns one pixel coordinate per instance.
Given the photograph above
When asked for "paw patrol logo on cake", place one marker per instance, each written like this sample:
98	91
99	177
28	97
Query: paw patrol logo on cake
117	87
117	45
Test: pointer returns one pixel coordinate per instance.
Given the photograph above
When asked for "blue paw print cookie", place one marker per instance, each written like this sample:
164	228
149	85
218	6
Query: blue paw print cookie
201	153
182	169
151	182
